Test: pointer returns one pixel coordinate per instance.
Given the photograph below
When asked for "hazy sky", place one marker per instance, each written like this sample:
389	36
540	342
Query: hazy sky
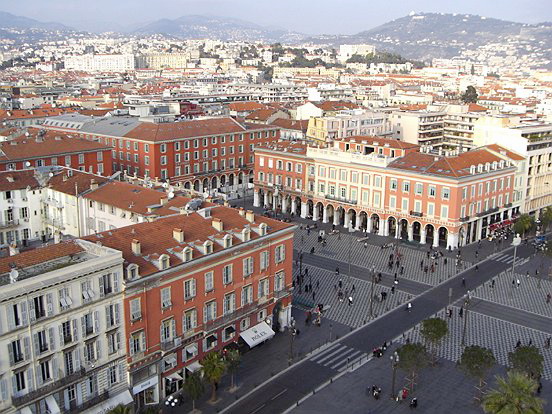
307	16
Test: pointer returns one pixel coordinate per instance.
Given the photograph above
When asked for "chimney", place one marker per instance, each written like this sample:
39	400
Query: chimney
250	216
217	224
136	247
64	177
184	211
13	250
164	201
241	211
178	235
93	184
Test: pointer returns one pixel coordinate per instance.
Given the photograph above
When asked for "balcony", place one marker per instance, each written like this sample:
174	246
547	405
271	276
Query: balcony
219	322
49	388
508	205
340	199
464	219
416	214
58	223
4	224
97	399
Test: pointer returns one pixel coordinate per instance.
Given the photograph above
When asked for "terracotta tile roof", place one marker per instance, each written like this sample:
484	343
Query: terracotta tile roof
455	166
261	114
504	151
156	237
77	181
52	143
473	107
186	129
285	146
299	125
127	196
392	143
6	115
17	180
40	255
245	106
336	105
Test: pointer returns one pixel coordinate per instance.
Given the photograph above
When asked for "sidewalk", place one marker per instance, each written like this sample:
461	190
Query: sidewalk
264	361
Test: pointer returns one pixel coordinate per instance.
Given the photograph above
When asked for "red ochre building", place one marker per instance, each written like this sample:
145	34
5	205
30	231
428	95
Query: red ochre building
389	187
196	282
203	154
41	148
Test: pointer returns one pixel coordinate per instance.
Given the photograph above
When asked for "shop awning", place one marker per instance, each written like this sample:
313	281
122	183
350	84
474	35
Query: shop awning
52	405
194	366
175	376
171	360
192	349
230	329
257	334
123	398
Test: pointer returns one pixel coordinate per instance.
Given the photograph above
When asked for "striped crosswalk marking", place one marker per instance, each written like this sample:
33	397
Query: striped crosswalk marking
338	357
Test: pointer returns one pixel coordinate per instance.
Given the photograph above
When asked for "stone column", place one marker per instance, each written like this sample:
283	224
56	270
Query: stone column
294	205
358	223
423	235
369	225
336	218
436	238
347	220
304	210
256	199
325	215
397	230
478	229
284	204
410	232
383	229
274	202
452	240
315	213
265	199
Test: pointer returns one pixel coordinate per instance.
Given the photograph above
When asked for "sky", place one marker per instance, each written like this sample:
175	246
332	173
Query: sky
305	16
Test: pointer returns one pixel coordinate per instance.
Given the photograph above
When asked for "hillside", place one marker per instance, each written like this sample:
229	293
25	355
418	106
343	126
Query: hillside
11	21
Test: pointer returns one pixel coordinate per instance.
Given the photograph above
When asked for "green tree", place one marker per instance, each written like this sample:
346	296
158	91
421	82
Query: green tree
470	95
546	218
120	409
514	395
233	360
524	223
193	386
412	358
527	360
433	331
213	369
477	362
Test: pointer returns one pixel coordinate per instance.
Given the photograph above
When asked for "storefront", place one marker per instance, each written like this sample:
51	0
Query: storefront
257	334
123	398
146	392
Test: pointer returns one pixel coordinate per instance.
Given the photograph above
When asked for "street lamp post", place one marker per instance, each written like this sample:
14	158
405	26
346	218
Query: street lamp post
373	272
516	242
466	305
394	363
292	333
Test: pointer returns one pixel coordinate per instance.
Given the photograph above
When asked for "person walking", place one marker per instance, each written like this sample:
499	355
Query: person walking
409	307
463	282
350	298
548	298
518	283
340	283
493	283
353	289
461	312
547	342
393	289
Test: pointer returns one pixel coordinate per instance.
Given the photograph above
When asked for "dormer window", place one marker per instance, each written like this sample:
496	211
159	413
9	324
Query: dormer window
227	241
246	235
487	166
480	168
472	169
132	272
208	247
494	165
262	229
164	262
187	254
501	164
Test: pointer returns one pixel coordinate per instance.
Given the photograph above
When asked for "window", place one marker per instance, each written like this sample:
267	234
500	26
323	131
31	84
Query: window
166	298
81	158
112	375
406	186
445	193
393	184
189	289
247	266
112	315
190	352
279	281
229	303
113	342
419	189
19	380
280	253
227	274
168	330
210	311
464	193
88	322
265	258
65	301
137	342
444	212
247	295
209	281
189	320
405	204
432	190
263	287
377	181
15	352
45	374
135	310
163	148
69	363
105	285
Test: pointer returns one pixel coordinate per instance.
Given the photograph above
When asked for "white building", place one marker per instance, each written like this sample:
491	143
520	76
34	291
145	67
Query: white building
346	51
418	127
100	63
62	335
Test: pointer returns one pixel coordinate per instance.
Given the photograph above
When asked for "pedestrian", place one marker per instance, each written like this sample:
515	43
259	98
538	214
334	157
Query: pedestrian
445	261
353	289
365	245
317	284
548	298
340	283
393	290
530	342
518	282
395	277
493	283
313	295
422	264
350	300
312	250
449	311
539	388
384	295
306	271
409	307
461	312
463	282
402	270
518	343
513	282
414	402
337	271
527	275
547	342
477	268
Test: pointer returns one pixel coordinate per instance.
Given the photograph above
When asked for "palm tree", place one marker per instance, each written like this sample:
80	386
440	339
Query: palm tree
546	218
514	395
194	387
120	409
233	360
523	224
213	369
433	331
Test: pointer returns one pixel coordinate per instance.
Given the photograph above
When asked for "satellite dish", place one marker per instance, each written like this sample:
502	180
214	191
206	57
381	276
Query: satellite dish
171	195
27	133
51	174
165	185
28	164
14	274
